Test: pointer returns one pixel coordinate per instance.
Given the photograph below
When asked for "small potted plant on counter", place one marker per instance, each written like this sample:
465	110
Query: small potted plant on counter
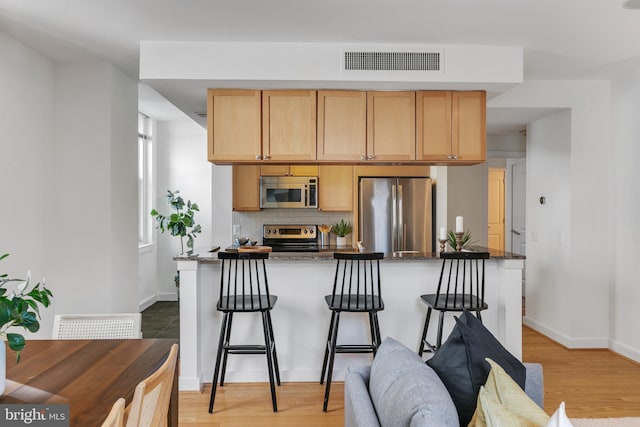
341	230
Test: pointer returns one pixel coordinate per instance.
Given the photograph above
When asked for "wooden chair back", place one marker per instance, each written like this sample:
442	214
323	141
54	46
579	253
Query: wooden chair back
150	405
116	415
97	326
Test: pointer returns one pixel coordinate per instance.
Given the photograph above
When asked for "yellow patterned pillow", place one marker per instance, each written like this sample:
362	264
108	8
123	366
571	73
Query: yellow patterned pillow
502	403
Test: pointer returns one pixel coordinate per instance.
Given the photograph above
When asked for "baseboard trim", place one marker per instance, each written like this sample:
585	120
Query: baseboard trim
625	351
189	383
146	303
167	297
563	339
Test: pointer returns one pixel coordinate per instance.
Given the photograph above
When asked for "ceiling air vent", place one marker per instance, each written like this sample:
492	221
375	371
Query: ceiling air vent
391	61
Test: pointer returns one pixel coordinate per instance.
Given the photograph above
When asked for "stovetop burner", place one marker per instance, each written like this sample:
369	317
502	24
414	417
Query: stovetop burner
290	238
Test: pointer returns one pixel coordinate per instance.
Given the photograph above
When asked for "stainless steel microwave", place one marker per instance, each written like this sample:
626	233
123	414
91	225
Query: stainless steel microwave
289	192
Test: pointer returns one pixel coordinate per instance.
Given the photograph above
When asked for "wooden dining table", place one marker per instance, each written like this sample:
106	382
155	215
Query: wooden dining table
87	375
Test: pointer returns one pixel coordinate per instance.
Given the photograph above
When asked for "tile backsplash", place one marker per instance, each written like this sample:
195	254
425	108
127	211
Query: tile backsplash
251	222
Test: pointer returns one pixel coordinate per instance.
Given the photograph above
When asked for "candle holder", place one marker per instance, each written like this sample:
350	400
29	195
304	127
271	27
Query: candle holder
459	241
443	243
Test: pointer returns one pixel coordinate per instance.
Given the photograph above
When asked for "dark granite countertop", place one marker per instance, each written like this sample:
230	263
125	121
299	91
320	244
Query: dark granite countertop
326	253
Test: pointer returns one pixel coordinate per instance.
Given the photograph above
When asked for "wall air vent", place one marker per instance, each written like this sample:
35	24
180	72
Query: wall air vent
200	114
391	61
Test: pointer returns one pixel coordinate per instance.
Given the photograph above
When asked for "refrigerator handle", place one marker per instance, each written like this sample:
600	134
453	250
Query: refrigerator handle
394	229
401	225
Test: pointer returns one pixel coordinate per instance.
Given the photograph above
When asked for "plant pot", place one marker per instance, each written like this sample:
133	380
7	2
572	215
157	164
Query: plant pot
341	241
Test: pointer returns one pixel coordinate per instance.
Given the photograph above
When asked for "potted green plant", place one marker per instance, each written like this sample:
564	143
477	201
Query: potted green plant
341	230
18	308
181	222
466	240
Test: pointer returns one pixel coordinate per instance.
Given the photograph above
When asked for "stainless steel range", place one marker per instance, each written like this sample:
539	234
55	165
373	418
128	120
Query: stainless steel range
290	238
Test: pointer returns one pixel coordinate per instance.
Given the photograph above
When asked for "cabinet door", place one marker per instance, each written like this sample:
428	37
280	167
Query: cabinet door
335	188
234	126
274	170
469	126
433	127
246	187
289	125
342	125
289	170
303	170
391	126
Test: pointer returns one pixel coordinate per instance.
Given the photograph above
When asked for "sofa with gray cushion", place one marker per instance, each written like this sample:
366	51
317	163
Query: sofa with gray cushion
399	389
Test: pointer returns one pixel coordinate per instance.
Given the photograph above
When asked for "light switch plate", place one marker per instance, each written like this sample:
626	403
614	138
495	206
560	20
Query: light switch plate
236	229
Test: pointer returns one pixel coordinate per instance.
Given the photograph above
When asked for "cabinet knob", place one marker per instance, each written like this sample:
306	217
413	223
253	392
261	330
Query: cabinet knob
455	157
370	157
363	158
449	156
266	157
258	157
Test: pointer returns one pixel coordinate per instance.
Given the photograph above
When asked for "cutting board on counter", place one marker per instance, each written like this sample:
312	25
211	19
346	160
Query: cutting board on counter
256	248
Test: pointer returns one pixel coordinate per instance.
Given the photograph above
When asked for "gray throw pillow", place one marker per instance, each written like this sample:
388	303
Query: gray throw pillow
402	386
461	366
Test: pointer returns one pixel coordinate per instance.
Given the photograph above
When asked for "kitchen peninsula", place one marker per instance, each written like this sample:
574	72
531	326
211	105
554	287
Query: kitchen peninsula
301	319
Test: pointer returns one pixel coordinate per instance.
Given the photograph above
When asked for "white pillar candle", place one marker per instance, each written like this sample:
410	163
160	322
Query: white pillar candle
459	225
443	233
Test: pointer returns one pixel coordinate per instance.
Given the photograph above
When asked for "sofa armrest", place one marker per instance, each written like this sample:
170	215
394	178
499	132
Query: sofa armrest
358	408
534	383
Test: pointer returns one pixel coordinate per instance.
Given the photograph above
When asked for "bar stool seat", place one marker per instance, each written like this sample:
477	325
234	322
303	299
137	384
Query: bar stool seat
244	288
356	289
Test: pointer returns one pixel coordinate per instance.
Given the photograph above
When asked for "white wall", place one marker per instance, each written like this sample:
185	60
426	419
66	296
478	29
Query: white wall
585	240
26	126
549	283
467	197
68	179
181	150
625	290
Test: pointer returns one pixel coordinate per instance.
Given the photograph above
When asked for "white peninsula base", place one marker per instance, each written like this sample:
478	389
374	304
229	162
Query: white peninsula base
301	318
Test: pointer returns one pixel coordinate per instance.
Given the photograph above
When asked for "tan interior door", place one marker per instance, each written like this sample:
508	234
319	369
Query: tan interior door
496	209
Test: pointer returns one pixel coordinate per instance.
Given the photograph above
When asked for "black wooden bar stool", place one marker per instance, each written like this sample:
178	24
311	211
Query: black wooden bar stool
460	287
244	288
356	289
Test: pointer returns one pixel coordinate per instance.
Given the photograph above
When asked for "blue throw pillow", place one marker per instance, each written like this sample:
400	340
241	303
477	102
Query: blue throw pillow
461	366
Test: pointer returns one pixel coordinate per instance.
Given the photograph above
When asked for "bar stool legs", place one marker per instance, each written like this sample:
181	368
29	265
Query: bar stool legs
332	348
224	348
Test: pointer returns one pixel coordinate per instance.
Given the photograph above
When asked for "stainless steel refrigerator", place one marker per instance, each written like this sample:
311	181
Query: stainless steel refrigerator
395	214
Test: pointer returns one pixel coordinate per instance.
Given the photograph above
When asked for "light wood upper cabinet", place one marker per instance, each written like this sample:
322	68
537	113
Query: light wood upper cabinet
469	125
391	126
234	125
335	188
451	126
246	187
342	125
289	170
289	125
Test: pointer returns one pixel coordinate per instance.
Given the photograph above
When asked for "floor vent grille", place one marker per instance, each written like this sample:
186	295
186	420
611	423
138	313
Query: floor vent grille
392	61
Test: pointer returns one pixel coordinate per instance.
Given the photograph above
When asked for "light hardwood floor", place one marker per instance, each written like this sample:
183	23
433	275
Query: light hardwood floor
592	383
